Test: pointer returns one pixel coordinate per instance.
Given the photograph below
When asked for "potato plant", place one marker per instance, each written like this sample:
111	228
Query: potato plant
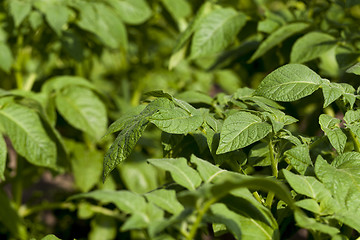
160	119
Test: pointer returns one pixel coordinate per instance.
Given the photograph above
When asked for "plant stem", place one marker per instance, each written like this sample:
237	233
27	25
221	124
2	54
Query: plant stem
18	182
30	82
275	172
355	141
201	213
17	66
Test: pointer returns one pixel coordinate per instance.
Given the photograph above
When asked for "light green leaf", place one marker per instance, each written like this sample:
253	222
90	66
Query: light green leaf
354	69
28	136
126	201
6	57
311	46
308	186
194	97
3	156
259	155
331	92
180	171
165	199
178	9
50	237
176	121
289	83
101	20
310	205
277	37
342	178
241	226
132	11
56	13
10	218
310	223
19	10
206	170
216	31
61	82
352	118
336	136
240	130
83	109
299	158
103	227
86	165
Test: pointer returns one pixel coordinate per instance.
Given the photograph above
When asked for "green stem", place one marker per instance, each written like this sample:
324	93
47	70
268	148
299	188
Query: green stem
275	173
18	182
17	66
355	141
201	213
30	82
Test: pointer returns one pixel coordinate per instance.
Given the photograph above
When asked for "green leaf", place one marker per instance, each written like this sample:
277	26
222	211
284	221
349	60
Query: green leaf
259	155
195	97
124	200
309	223
311	46
240	130
241	226
101	20
56	13
216	31
28	136
355	69
131	133
19	10
10	218
206	170
6	57
299	158
289	83
277	37
86	165
50	237
61	82
352	118
310	205
176	121
103	227
308	186
331	92
342	178
83	109
132	11
3	156
336	136
178	9
180	171
165	199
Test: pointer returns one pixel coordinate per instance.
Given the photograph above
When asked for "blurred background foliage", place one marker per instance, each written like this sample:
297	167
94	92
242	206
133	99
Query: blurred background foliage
125	48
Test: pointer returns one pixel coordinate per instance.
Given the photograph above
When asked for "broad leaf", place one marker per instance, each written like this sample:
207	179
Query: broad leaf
83	109
6	57
240	130
342	178
180	171
176	121
178	9
206	170
130	134
165	199
50	237
19	10
3	156
61	82
310	223
241	226
289	83
311	46
354	69
216	31
299	158
352	118
132	11
308	186
28	136
331	92
103	227
336	136
277	37
124	200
